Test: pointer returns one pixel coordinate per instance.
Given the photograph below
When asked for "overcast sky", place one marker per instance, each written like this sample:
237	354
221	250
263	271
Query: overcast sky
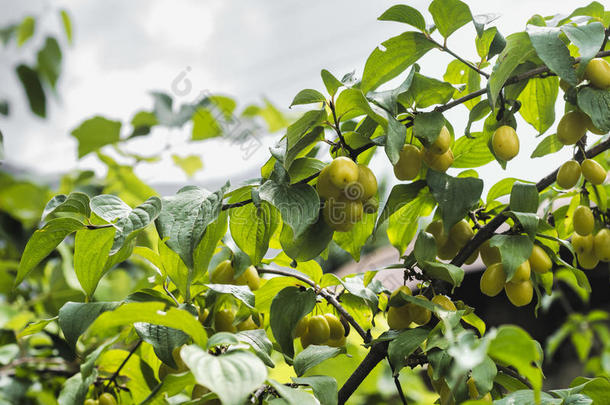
243	48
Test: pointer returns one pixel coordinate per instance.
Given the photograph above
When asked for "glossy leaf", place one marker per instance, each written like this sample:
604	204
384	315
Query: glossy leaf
308	96
553	52
449	15
548	145
75	202
314	355
163	340
324	388
287	308
404	14
595	102
76	317
91	251
454	195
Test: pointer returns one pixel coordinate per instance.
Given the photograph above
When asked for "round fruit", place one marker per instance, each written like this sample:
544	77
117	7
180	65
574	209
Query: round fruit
223	321
324	187
409	163
505	143
448	251
249	277
493	280
106	399
318	329
588	260
247	324
461	233
91	402
444	302
223	273
399	317
546	280
403	288
519	294
601	245
337	342
370	206
568	174
440	163
593	171
572	127
342	171
341	213
522	273
489	254
442	142
437	230
301	327
335	325
367	181
583	220
306	340
540	262
472	258
583	244
598	73
420	315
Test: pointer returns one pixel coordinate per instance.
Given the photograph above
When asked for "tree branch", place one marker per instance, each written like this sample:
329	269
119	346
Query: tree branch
115	375
444	48
377	353
514	374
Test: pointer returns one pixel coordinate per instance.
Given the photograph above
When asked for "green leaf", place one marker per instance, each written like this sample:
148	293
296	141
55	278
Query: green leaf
427	126
398	53
514	249
483	42
548	145
287	308
425	247
353	240
331	83
33	89
205	249
163	340
128	221
260	343
49	61
324	388
149	312
524	197
459	73
455	196
65	19
308	96
232	375
404	14
444	271
303	168
76	317
35	327
449	15
404	223
538	102
94	133
302	133
400	195
352	103
355	285
190	164
553	52
403	345
595	102
292	396
528	397
185	216
598	389
501	188
471	152
307	246
43	242
205	125
589	39
518	49
25	30
91	251
142	122
174	268
396	134
240	292
298	204
75	202
75	388
314	355
426	91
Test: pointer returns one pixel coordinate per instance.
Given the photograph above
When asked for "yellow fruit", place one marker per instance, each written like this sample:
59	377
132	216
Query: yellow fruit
367	183
489	254
250	277
91	402
106	399
568	174
203	314
522	273
472	258
572	127
403	288
342	171
337	342
437	230
306	340
588	260
324	187
583	244
593	171
223	273
487	398
247	324
473	392
505	143
223	321
409	163
301	327
440	163
335	325
444	302
318	329
341	213
593	129
448	251
598	73
519	294
493	280
399	317
370	206
442	143
583	220
461	233
540	262
546	280
601	245
420	315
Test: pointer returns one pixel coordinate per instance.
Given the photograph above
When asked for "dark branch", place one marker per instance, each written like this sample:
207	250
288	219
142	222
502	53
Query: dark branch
444	48
115	375
377	353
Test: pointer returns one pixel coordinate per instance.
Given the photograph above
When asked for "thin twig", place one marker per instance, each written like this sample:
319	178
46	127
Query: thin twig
115	375
444	48
514	374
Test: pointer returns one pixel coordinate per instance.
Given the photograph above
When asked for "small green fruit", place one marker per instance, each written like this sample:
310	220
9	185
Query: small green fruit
568	174
505	143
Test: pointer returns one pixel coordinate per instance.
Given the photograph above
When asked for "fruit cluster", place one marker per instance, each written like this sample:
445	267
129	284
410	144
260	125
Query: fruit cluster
324	329
224	273
402	316
349	191
590	249
437	156
104	399
449	244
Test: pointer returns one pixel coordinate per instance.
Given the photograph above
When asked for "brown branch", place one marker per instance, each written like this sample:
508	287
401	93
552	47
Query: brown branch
377	353
115	375
443	47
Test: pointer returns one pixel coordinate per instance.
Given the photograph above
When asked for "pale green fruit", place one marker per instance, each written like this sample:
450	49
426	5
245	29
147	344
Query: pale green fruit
572	127
442	143
568	174
399	317
436	229
489	254
520	294
318	329
440	163
342	171
409	163
583	220
461	233
598	73
539	260
493	280
336	327
505	143
601	245
583	244
522	273
223	321
593	172
588	260
444	302
324	187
